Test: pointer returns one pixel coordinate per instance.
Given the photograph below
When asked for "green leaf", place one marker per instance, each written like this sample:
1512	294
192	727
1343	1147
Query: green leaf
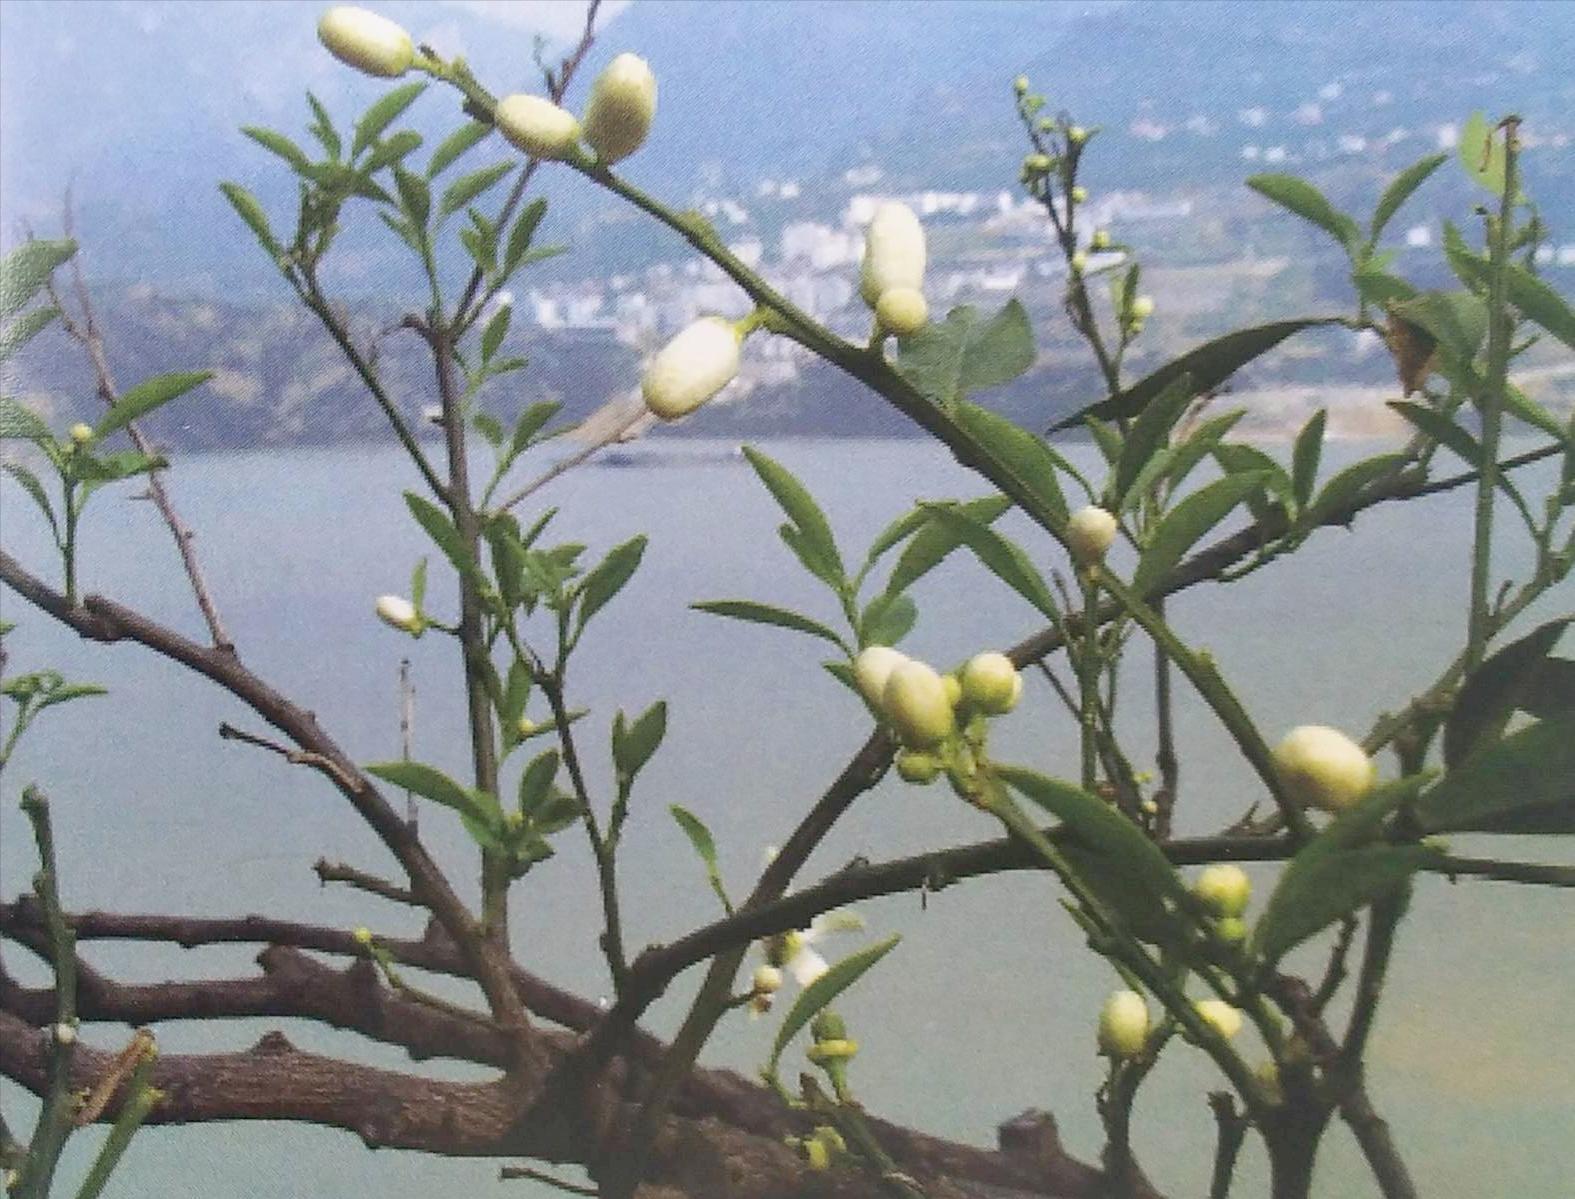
23	329
22	424
768	614
430	783
1540	303
1493	691
520	236
1199	444
489	427
898	531
278	144
1522	784
145	397
634	745
455	144
25	270
322	128
252	213
1331	886
936	540
536	782
887	619
608	579
415	197
1028	457
1209	365
442	531
1307	202
1341	491
947	360
1186	523
815	543
1305	457
530	423
1519	404
492	336
705	846
1149	435
1444	431
468	187
1551	690
1400	189
1481	150
822	991
1457	320
1003	558
30	484
386	153
382	114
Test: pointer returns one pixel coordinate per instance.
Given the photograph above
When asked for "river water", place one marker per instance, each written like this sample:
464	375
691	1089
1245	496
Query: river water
988	1005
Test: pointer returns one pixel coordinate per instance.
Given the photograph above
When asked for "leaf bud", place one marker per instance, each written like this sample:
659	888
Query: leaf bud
1077	135
893	252
1322	767
691	368
81	433
1090	532
537	126
1080	194
916	766
1123	1025
622	105
366	41
915	702
1224	889
991	683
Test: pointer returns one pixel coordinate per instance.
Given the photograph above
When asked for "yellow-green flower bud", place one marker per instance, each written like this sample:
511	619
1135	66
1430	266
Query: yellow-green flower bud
871	670
839	1049
1324	768
1231	929
81	434
1037	164
1123	1025
527	727
893	252
816	1155
1079	262
1219	1016
1046	124
691	368
953	689
1100	240
1142	307
1020	85
902	310
1080	194
827	1026
1267	1075
768	980
399	613
991	683
915	766
537	126
65	1034
362	935
915	702
1224	889
1090	532
1077	135
622	105
831	1139
366	41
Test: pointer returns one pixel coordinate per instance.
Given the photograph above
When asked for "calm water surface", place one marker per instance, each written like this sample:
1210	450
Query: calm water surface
988	1006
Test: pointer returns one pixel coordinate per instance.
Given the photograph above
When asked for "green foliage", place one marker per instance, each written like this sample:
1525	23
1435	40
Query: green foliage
967	353
705	846
1307	202
769	614
1524	783
815	997
1493	692
1187	523
808	534
25	270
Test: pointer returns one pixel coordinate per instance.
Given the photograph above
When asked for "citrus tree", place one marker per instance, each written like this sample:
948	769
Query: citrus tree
1484	743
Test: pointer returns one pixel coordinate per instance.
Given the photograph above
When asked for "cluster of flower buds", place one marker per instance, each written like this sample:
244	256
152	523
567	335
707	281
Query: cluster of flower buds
891	276
1090	531
399	613
1322	768
1224	891
1123	1025
928	709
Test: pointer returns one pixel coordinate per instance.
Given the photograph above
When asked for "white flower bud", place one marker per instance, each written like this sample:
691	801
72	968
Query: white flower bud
366	41
915	702
872	668
768	980
893	252
1323	767
622	105
691	368
1142	307
1123	1025
1077	135
399	613
1090	532
1219	1016
1079	262
1224	890
902	310
81	434
991	683
537	126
